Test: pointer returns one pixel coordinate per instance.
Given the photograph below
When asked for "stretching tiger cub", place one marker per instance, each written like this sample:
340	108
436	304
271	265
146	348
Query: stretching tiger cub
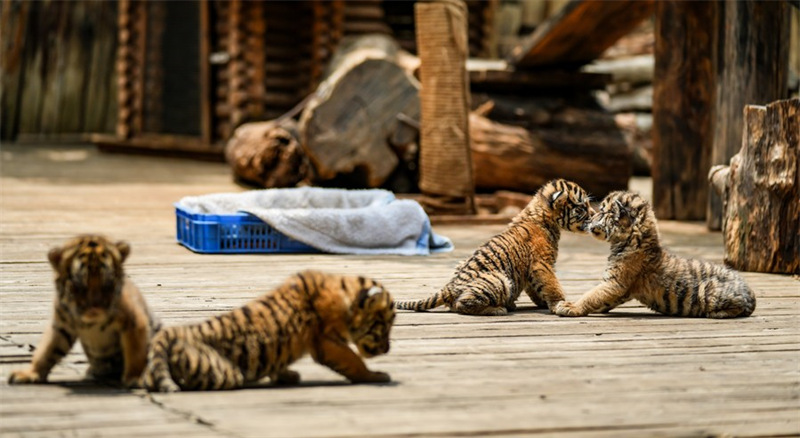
311	312
98	305
640	268
520	258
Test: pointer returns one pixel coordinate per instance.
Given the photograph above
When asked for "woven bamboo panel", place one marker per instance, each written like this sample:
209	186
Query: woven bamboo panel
445	162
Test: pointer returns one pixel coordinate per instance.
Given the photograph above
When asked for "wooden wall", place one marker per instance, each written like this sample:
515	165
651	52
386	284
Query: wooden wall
58	67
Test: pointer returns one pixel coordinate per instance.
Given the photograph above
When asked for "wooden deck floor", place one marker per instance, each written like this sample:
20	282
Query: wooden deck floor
628	373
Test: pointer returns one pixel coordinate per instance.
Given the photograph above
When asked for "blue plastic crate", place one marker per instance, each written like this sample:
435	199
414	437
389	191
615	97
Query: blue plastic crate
232	234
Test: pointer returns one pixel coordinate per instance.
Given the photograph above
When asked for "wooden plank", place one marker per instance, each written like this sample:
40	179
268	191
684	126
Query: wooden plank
579	33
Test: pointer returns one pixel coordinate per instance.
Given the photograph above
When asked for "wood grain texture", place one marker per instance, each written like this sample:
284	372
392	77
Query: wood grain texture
580	32
760	191
346	124
514	158
683	103
629	373
752	69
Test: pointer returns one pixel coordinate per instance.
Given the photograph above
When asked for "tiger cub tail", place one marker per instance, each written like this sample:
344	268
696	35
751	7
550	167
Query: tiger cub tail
431	302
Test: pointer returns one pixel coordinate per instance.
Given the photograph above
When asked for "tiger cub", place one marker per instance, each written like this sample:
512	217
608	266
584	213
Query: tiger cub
97	305
311	312
639	268
520	258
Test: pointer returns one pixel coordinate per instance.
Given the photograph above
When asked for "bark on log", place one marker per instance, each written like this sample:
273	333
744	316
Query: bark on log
683	100
760	191
514	158
753	67
268	154
345	125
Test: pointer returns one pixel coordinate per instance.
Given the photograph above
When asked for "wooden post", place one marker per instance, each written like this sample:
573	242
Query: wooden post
683	101
445	162
752	69
761	191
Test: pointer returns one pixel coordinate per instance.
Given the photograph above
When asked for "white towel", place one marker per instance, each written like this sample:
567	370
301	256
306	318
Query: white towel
334	220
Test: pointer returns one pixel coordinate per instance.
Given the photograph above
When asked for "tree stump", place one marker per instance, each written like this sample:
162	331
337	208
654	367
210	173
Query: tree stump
346	124
268	154
760	191
754	61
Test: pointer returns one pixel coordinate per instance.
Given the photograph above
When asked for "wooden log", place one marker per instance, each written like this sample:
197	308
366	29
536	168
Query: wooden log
446	177
365	83
268	154
514	158
579	33
683	103
754	61
760	191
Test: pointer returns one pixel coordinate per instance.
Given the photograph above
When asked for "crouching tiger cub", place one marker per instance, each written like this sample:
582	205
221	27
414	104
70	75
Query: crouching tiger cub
311	312
520	258
639	268
97	305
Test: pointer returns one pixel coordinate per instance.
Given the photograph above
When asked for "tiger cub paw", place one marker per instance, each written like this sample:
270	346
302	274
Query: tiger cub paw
565	308
25	376
168	386
373	377
287	377
132	382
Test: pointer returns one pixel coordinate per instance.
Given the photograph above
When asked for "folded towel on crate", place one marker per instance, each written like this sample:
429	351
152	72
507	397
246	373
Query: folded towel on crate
334	220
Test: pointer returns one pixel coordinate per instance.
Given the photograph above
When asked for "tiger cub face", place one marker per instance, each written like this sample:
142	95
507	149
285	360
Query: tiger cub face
571	205
89	276
620	214
372	316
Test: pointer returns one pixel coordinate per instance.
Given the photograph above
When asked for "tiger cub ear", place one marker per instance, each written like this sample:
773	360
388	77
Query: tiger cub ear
556	196
54	255
366	294
624	216
124	250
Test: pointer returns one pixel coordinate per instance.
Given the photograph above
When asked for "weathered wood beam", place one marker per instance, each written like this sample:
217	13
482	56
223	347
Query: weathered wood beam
579	33
683	107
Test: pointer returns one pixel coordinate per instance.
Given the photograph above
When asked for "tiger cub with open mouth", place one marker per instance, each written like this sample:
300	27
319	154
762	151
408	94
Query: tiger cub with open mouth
97	305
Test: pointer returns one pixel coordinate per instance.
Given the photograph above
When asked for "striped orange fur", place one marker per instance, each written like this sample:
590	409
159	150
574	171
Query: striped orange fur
640	268
521	258
311	312
97	305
